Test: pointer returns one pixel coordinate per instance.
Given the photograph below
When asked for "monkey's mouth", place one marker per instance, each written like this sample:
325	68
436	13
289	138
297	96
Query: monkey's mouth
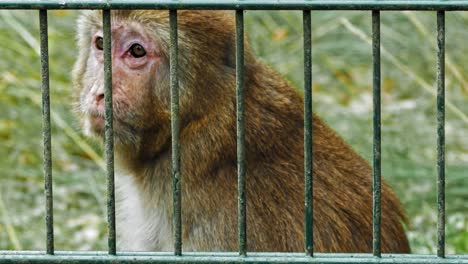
97	121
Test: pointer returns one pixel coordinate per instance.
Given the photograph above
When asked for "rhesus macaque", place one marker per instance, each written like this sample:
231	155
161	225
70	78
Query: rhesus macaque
274	144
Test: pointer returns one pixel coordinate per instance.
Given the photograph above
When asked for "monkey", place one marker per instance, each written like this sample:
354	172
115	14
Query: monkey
342	194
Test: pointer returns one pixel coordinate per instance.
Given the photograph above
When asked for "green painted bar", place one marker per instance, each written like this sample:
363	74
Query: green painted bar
109	133
377	162
309	231
46	134
175	126
448	5
241	162
205	258
441	134
233	255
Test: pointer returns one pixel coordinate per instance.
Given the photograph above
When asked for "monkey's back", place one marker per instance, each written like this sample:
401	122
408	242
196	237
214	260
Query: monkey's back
275	183
342	180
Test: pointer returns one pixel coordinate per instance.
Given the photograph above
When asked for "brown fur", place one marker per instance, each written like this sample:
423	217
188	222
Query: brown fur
274	145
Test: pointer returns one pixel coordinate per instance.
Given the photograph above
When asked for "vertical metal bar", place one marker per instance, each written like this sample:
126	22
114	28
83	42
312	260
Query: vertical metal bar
46	134
309	231
441	133
175	123
241	162
109	133
377	183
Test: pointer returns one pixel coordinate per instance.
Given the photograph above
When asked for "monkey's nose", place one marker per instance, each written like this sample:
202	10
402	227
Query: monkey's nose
99	98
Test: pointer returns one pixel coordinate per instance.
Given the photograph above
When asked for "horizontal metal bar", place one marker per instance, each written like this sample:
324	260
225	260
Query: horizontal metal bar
222	258
448	5
228	254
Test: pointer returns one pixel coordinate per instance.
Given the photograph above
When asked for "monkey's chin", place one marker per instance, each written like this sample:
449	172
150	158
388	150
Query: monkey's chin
94	126
97	122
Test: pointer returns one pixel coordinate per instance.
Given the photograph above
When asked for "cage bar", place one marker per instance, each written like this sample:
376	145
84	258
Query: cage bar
309	231
175	127
46	131
441	134
376	170
109	133
241	162
225	258
428	5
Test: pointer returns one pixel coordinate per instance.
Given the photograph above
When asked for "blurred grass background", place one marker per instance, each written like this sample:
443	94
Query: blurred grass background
342	85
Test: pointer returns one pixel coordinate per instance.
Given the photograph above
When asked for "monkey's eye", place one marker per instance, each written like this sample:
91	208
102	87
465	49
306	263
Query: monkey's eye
137	51
99	43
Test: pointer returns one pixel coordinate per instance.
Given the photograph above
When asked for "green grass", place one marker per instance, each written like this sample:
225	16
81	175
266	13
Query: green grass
342	84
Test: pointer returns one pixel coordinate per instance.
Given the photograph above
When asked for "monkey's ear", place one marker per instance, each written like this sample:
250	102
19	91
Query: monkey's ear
228	44
229	53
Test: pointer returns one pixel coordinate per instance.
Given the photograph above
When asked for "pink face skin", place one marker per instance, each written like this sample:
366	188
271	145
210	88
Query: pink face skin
136	64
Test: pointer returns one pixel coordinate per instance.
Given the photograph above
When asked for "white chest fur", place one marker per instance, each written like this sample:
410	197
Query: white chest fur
142	222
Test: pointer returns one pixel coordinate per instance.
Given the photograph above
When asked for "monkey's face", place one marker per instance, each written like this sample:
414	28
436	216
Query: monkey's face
138	69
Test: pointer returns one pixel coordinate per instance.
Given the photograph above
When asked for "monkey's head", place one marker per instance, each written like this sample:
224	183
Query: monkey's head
140	70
